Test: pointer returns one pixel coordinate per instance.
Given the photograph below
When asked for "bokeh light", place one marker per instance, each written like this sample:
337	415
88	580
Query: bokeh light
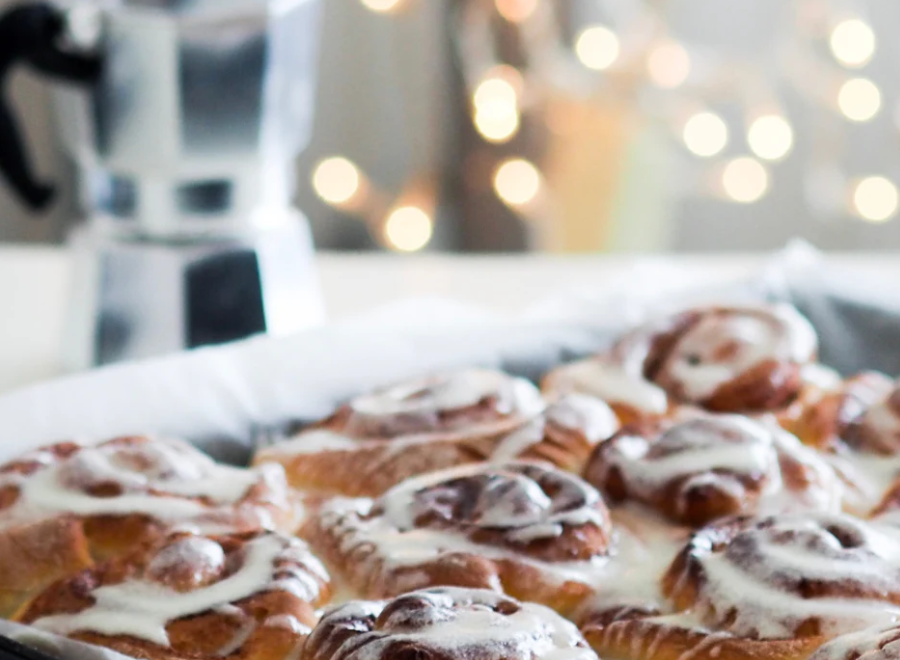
497	127
668	64
408	229
517	182
875	199
770	137
382	6
852	43
859	99
705	134
516	11
745	180
597	47
496	102
336	180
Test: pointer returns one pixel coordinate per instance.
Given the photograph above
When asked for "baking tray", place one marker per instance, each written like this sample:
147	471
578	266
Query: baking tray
225	399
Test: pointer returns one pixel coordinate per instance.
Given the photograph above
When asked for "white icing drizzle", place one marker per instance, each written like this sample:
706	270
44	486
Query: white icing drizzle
750	589
453	391
604	378
314	441
644	547
520	503
519	441
868	478
877	429
588	415
459	623
822	378
717	451
875	643
752	335
142	608
154	477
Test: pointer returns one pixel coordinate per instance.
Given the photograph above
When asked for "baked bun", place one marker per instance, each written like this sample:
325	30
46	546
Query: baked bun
775	587
377	440
845	415
712	466
249	596
521	528
723	359
65	506
878	643
447	624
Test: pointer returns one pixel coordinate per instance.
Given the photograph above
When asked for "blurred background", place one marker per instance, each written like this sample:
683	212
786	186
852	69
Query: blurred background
584	126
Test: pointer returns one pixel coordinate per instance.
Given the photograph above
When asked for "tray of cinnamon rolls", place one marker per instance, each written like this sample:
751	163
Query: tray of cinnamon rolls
704	488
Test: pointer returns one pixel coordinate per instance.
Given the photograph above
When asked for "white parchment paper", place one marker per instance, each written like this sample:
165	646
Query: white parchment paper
219	397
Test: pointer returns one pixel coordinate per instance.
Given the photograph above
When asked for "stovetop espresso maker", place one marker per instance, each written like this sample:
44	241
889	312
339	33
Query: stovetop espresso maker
184	118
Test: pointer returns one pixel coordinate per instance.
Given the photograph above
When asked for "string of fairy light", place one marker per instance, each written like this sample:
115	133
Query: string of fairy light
625	60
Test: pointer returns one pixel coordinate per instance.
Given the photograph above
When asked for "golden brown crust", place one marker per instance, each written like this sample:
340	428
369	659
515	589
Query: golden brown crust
269	622
34	555
879	643
66	506
826	417
724	359
654	639
715	336
712	466
760	588
783	555
371	468
379	440
444	624
877	429
495	527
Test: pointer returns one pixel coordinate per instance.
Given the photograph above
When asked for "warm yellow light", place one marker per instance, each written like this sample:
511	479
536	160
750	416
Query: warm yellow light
668	64
859	99
745	180
516	11
496	109
852	42
517	182
770	137
495	92
875	199
705	134
408	229
381	6
497	126
336	180
597	47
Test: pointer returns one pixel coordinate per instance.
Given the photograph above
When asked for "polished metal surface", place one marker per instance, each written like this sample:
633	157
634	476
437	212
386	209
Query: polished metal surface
200	111
185	151
134	300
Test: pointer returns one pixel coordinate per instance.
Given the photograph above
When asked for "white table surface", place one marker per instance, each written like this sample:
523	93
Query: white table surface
34	289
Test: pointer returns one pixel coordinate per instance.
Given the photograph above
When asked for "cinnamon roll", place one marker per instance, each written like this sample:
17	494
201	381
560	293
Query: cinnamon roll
774	587
67	505
713	466
377	440
521	528
857	424
250	596
878	643
725	359
446	624
837	415
876	430
564	435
